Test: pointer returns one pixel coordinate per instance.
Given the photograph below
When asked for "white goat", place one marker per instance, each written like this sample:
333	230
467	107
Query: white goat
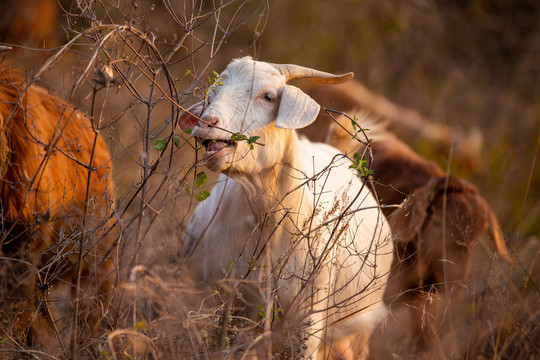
289	220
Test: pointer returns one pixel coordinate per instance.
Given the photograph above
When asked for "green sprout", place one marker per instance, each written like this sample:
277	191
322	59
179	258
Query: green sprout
161	144
274	312
354	126
241	137
214	81
200	180
203	195
360	165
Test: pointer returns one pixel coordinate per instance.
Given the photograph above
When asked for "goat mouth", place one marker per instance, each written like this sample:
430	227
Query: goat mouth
215	146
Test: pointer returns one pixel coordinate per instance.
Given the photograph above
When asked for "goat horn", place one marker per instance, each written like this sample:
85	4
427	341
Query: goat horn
293	72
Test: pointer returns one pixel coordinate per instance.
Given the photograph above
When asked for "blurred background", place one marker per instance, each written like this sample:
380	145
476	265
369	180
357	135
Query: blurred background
472	67
465	64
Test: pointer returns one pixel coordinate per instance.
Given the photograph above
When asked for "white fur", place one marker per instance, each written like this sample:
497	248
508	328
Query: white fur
323	267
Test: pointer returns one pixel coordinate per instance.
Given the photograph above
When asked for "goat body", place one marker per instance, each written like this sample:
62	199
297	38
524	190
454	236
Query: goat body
287	222
56	197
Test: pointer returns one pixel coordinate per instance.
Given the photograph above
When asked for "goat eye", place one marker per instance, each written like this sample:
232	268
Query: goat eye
267	97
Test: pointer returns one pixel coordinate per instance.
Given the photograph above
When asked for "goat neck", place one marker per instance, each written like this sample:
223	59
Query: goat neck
271	190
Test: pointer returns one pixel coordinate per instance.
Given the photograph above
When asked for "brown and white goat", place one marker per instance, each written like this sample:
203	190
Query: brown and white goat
56	197
288	224
442	218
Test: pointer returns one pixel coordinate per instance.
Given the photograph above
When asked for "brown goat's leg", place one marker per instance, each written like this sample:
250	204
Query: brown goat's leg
96	285
42	328
424	319
42	316
105	276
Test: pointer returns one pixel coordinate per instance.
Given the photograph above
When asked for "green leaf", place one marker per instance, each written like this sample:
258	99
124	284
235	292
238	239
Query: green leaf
231	264
261	312
188	72
238	137
160	144
202	195
360	165
188	131
140	325
200	180
276	314
177	141
253	139
186	187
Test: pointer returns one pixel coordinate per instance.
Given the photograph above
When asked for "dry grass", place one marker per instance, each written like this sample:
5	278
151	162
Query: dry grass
126	63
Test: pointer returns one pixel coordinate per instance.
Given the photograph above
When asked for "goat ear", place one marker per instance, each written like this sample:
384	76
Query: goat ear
403	224
296	110
411	219
189	118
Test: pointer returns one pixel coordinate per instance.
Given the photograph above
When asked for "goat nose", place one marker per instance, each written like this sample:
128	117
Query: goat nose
208	121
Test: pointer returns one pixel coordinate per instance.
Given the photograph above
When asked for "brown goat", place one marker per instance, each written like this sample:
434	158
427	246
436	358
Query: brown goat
30	22
353	94
56	197
441	220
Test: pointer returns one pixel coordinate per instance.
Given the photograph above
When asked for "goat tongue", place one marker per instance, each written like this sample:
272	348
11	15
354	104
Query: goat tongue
216	146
